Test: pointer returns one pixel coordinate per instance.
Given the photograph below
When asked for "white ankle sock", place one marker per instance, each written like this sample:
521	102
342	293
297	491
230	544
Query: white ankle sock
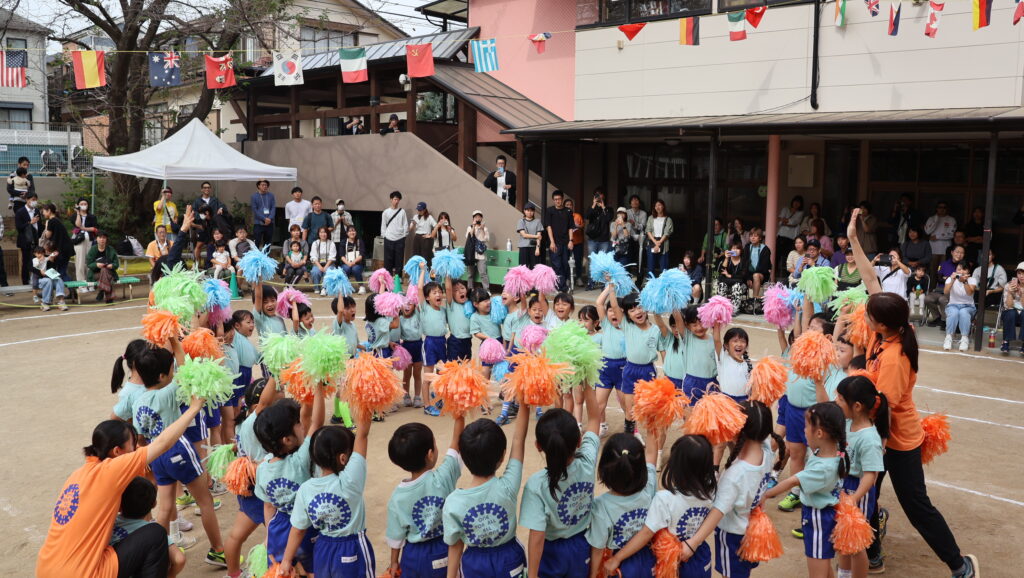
845	573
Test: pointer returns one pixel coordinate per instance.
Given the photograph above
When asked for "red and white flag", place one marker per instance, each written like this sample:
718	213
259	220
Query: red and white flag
754	15
13	67
931	27
1018	12
220	71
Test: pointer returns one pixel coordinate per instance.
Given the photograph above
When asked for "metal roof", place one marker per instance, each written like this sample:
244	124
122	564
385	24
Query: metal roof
11	21
984	119
491	96
457	10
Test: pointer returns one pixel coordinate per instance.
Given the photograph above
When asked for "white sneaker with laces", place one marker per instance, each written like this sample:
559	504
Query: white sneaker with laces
323	292
218	489
964	343
183	542
184	525
603	432
362	289
947	344
36	299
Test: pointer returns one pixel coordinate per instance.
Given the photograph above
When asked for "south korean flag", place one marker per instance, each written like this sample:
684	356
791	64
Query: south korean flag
287	67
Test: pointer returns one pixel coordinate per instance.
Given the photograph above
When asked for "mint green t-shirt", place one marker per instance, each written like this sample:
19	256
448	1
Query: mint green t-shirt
410	327
512	323
613	341
484	516
681	514
266	324
819	481
614	520
378	333
641	344
348	331
230	358
414	510
123	527
569	513
865	450
700	356
277	482
740	489
333	504
458	323
153	410
674	365
248	355
247	442
125	398
482	324
433	321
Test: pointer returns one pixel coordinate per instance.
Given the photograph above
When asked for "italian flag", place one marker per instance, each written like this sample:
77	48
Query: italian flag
353	65
737	25
840	13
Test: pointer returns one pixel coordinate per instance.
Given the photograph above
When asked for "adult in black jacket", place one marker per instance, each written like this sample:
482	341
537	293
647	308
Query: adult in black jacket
502	182
758	258
55	232
29	224
598	228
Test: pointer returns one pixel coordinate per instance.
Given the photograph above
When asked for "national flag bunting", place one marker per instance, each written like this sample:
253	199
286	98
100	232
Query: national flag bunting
485	54
631	30
419	59
931	27
840	13
287	67
164	69
220	71
895	8
737	26
982	13
689	31
353	65
755	15
90	70
1018	12
872	7
540	41
13	68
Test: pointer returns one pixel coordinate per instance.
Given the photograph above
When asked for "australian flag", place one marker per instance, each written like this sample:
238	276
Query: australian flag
164	69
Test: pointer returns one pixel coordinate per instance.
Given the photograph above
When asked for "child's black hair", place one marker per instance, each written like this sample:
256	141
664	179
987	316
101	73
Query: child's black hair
677	338
409	446
482	446
860	389
346	302
623	467
294	242
829	417
221	244
628	303
239	316
590	312
480	295
827	326
327	444
268	293
859	362
456	283
253	393
691	470
138	498
757	428
135	349
566	297
275	423
430	287
371	310
39	250
109	434
558	435
152	364
303	309
689	314
738	333
533	298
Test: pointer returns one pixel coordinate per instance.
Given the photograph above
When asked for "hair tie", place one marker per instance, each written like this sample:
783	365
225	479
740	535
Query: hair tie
625	452
878	402
841	455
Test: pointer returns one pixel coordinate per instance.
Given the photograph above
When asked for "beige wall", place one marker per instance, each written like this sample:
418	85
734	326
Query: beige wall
35	92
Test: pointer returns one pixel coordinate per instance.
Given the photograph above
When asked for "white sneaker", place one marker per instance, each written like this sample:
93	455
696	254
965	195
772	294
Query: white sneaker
45	307
36	299
362	289
184	525
964	343
63	306
323	292
218	489
948	343
182	541
603	432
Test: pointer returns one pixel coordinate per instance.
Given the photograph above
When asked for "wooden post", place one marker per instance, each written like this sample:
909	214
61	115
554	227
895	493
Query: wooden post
524	175
986	242
410	107
467	137
294	110
374	96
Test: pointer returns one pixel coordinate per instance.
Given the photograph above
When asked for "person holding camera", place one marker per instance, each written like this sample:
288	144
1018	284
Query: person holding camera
621	235
477	237
354	125
812	257
892	272
959	288
1013	312
502	181
341	220
83	235
598	229
444	234
732	275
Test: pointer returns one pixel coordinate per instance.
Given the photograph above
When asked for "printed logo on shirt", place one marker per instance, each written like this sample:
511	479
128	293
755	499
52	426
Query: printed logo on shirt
766	482
329	512
67	505
371	333
690	522
281	492
426	514
485	524
575	503
118	534
627	526
148	421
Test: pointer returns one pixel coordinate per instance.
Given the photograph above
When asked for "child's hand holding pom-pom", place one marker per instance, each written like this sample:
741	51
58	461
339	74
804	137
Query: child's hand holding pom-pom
461	385
280	350
936	437
240	477
491	351
389	304
761	543
381	281
535	380
158	326
498	310
218	460
544	280
858	332
400	358
287	298
324	355
206	379
336	282
818	283
257	266
569	343
448	263
532	336
518	281
668	554
852	532
202	343
768	380
777	310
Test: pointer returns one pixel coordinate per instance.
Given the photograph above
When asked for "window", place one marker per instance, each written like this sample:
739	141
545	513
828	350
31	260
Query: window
99	42
365	38
314	40
17	43
15	118
651	9
733	5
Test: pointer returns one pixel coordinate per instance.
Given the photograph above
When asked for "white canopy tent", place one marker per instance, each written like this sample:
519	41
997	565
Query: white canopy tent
193	154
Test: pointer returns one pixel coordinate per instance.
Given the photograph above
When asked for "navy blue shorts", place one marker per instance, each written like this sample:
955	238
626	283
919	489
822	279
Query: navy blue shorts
639	564
783	406
631	373
695	387
676	382
611	374
739	398
198	431
384	352
566	558
505	561
211	417
434	350
699	565
727	558
795	424
179	464
277	539
415	349
427	559
866	504
346	557
459	347
251	506
241	382
817	526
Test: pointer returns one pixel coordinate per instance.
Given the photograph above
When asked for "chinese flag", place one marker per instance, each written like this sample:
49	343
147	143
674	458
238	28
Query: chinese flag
419	58
89	68
220	71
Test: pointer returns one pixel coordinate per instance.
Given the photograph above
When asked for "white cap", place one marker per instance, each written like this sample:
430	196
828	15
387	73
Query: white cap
477	212
621	210
1020	266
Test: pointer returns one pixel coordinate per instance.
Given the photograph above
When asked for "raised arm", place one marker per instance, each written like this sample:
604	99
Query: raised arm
458	424
716	332
593	408
173	432
867	272
317	420
519	438
363	421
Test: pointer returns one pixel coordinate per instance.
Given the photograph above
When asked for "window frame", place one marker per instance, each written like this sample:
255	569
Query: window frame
8	43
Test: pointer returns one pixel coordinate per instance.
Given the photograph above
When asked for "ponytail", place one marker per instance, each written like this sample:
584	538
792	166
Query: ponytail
829	417
558	436
881	415
136	349
117	376
908	339
860	389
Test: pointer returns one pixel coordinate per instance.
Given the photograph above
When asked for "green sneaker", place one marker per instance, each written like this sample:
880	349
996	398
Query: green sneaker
798	533
790	502
216	506
214	558
184	501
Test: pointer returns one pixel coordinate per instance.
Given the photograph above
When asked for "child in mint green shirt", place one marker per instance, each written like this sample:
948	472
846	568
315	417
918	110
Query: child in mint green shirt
264	310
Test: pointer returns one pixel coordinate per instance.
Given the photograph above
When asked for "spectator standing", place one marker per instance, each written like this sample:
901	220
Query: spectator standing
577	241
18	197
659	229
916	251
422	226
790	220
637	218
939	228
103	262
892	272
477	240
394	227
1013	312
351	257
995	281
502	181
622	237
158	247
295	210
867	226
599	231
559	224
341	220
322	256
758	258
974	229
165	212
264	209
530	232
55	232
84	233
444	233
813	213
28	223
316	220
904	217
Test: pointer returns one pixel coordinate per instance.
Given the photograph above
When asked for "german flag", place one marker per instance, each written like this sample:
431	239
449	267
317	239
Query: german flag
982	13
689	31
89	69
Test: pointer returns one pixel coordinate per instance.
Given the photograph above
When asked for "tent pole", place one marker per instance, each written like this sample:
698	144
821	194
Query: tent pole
986	243
92	203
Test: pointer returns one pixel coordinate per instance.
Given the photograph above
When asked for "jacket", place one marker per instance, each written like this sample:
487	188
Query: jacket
491	182
28	234
764	261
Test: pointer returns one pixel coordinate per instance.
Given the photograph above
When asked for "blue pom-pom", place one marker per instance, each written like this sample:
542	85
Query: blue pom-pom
498	310
499	371
604	264
448	264
336	282
468	309
257	265
795	299
218	295
671	291
412	269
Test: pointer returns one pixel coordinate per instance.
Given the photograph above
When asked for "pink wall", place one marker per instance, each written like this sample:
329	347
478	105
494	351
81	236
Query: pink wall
549	78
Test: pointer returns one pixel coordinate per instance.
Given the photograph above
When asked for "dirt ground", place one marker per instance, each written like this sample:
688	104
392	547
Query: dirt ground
55	390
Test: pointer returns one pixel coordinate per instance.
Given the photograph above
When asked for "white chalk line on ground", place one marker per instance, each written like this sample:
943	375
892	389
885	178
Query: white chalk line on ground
53	315
53	337
946	391
975	420
932	482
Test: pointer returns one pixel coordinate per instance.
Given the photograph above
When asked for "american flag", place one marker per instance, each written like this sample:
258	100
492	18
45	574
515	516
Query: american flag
13	66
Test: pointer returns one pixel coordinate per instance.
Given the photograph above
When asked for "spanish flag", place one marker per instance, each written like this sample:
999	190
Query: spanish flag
689	31
982	13
89	69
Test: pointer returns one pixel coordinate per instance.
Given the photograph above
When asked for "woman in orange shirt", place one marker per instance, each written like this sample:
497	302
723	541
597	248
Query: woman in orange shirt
893	363
576	235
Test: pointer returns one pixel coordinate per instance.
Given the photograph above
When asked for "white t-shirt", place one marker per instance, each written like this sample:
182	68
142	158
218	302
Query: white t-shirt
424	225
893	280
958	294
296	212
733	376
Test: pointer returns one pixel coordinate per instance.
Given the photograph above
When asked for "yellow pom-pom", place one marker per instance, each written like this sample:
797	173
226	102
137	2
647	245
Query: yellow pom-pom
812	353
371	385
535	380
717	417
202	343
668	553
240	477
761	543
657	403
936	437
852	532
768	380
158	326
461	385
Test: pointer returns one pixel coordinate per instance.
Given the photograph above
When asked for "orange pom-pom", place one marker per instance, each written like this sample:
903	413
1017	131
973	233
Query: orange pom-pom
240	476
461	385
388	574
535	380
657	403
371	385
202	343
936	437
297	382
852	532
717	417
768	380
812	354
668	553
158	326
857	330
273	571
761	543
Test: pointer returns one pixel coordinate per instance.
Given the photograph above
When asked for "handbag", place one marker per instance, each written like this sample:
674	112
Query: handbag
78	237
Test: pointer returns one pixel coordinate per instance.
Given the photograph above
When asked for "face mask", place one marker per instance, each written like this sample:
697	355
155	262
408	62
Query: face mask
83	207
341	207
32	204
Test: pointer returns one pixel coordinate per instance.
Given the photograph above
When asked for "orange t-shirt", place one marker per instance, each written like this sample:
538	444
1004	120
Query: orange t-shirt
891	372
77	542
577	233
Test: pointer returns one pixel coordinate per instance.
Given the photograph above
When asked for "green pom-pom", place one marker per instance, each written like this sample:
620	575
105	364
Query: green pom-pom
853	296
181	308
324	356
818	283
179	288
218	460
258	560
280	350
570	343
205	378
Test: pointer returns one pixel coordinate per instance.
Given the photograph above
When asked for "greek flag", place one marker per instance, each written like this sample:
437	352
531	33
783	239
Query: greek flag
485	55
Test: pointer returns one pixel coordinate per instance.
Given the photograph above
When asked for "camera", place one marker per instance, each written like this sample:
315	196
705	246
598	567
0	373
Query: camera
885	260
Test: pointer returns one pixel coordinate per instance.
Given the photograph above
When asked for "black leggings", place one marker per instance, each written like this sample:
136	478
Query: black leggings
907	475
143	554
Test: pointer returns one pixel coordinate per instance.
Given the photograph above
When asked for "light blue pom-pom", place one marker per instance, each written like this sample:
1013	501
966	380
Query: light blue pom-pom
671	291
448	264
498	310
499	371
468	309
412	269
795	299
257	265
217	294
336	282
604	268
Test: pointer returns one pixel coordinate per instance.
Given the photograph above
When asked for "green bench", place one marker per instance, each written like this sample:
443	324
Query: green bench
498	264
126	284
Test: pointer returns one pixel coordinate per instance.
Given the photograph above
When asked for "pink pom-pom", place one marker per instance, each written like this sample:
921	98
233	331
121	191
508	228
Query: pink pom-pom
389	304
776	306
412	294
545	281
218	315
381	281
518	281
400	358
286	298
491	351
532	336
717	311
